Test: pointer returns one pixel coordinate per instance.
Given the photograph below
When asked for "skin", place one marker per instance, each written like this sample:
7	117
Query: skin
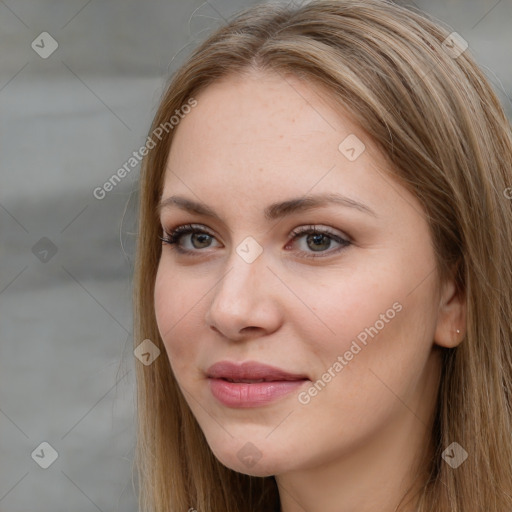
261	138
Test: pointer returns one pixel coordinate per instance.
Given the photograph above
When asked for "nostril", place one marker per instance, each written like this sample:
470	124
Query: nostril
250	328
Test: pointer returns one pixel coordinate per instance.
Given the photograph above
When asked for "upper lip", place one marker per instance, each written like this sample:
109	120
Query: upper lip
250	370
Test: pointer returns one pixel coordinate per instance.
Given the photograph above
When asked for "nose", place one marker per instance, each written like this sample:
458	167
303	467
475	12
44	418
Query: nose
245	301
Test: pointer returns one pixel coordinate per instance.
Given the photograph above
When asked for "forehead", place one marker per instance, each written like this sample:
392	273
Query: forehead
251	119
264	106
266	135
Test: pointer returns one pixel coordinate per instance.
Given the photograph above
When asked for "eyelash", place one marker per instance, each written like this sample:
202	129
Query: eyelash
173	237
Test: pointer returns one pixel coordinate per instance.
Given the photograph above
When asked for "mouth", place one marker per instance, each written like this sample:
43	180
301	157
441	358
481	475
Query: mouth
250	372
251	384
248	381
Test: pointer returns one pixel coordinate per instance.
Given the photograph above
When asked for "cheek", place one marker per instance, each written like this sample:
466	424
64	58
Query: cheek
384	346
349	306
379	320
176	312
163	298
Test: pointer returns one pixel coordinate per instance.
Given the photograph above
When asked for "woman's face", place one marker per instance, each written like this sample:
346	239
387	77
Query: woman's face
350	312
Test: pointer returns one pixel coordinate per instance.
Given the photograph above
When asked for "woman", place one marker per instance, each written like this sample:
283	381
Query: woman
324	261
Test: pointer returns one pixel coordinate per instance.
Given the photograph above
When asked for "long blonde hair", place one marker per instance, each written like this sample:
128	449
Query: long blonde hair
437	119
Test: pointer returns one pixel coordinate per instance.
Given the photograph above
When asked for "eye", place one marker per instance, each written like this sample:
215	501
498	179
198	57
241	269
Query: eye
316	240
200	238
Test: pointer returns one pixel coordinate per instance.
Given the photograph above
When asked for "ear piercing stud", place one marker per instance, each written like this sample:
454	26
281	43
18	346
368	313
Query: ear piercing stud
458	331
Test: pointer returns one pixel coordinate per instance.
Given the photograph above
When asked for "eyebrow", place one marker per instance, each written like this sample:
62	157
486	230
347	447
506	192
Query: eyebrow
275	210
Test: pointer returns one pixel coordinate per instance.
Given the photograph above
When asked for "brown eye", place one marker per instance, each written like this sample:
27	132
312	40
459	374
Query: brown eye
318	241
200	238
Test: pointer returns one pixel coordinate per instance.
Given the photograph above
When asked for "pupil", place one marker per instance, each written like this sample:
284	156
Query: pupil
317	239
201	237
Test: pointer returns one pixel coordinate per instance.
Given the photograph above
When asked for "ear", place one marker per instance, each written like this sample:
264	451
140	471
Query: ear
451	316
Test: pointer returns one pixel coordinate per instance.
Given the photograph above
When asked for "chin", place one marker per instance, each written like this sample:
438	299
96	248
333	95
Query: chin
259	469
248	458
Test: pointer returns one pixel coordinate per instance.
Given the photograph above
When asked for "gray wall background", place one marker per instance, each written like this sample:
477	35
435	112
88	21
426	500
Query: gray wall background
67	123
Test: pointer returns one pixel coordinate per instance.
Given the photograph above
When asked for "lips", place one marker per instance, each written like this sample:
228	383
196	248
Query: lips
250	372
251	384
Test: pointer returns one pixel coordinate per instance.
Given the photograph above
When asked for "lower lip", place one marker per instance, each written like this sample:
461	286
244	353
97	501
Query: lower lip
243	394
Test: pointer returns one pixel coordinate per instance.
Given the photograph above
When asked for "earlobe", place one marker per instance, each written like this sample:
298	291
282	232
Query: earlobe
451	320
